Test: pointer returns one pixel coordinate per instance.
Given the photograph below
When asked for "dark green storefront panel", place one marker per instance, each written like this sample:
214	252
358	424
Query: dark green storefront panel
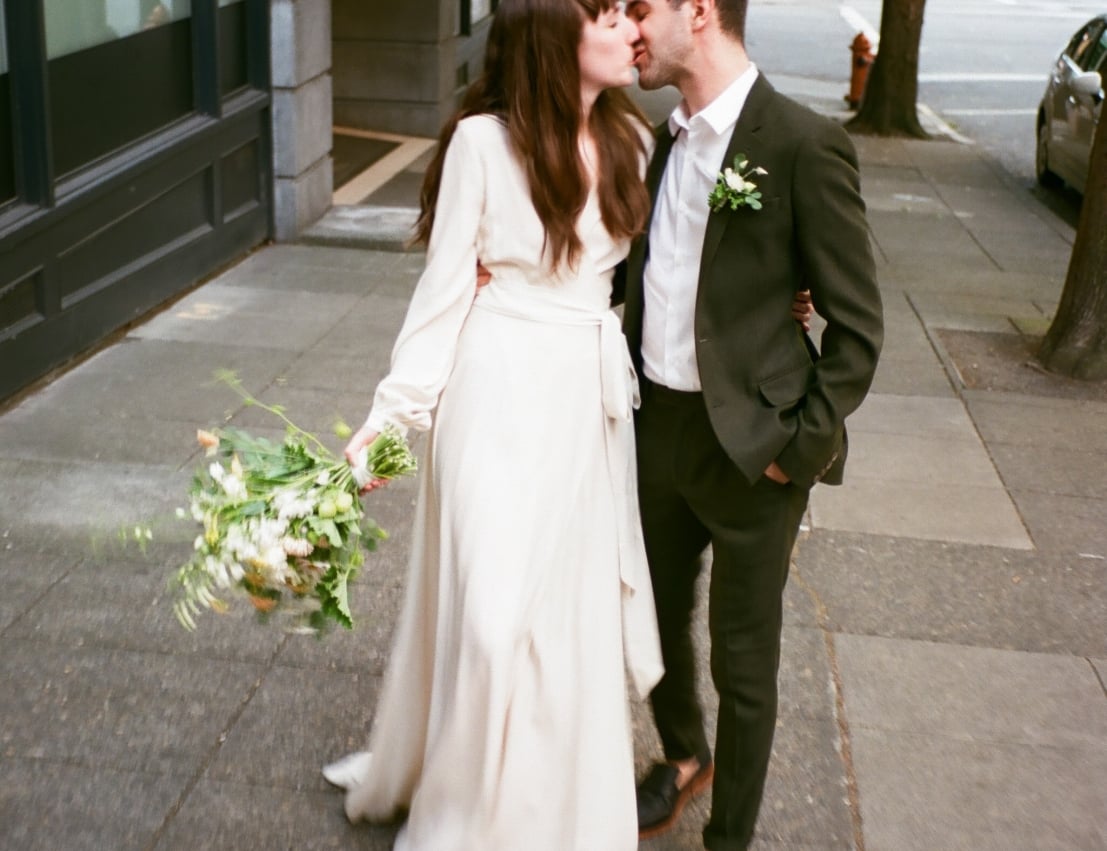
134	161
134	244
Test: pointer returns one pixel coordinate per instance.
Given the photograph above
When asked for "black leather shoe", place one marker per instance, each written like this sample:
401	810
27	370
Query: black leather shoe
660	802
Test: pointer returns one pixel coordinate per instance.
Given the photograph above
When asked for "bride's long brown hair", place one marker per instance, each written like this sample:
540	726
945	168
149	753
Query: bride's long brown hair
531	79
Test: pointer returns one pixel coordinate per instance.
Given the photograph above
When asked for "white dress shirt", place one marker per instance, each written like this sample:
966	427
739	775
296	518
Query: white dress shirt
676	235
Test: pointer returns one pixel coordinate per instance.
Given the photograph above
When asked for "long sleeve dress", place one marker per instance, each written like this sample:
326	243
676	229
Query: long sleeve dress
503	722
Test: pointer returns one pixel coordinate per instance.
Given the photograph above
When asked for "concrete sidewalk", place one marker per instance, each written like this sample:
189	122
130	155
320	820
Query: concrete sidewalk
945	649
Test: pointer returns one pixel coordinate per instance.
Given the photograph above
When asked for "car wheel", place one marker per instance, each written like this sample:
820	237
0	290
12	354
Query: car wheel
1041	158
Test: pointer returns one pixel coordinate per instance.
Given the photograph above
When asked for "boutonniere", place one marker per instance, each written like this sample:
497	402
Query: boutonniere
734	188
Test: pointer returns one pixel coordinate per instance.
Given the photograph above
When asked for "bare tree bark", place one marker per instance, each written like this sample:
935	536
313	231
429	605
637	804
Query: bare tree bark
889	107
1076	343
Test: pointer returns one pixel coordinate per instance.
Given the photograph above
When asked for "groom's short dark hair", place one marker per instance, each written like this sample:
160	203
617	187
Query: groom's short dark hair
732	16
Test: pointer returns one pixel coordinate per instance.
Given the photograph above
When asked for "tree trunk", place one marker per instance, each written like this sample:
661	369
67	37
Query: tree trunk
889	106
1076	343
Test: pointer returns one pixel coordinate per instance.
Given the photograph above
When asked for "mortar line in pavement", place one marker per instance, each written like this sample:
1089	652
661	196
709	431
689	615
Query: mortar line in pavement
953	376
845	747
195	461
960	221
924	737
853	791
876	242
1095	671
191	460
1035	206
40	597
209	758
99	646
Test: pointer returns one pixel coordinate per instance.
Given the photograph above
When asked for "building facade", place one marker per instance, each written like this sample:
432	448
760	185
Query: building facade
401	67
144	144
134	159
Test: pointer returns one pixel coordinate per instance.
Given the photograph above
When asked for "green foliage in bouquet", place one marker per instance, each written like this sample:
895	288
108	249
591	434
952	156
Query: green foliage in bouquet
281	523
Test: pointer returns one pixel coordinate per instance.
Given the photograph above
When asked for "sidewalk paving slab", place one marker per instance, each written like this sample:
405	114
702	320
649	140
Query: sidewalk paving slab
935	793
913	509
1069	524
277	749
246	817
82	609
1010	746
86	501
50	805
974	694
121	709
952	593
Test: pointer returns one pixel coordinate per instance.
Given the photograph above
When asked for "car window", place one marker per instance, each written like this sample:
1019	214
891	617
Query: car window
1078	49
1093	58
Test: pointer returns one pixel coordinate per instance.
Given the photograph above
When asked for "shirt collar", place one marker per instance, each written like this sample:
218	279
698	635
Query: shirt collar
722	113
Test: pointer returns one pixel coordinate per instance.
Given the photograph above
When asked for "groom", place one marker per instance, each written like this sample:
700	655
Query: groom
740	414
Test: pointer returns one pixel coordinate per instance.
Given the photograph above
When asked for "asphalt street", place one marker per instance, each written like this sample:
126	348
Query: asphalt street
983	64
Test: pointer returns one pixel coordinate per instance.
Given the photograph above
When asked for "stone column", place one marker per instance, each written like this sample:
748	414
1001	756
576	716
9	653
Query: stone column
303	175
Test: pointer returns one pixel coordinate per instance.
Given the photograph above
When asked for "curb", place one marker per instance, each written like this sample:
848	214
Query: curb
366	227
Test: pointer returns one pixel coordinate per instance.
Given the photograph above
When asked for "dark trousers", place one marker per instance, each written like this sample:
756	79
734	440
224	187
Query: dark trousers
692	495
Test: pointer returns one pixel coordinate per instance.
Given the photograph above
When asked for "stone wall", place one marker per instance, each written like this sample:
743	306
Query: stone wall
399	67
302	113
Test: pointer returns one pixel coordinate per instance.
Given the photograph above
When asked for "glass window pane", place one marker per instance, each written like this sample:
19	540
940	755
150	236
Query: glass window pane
233	47
73	25
1083	40
1096	53
7	163
110	95
479	10
3	42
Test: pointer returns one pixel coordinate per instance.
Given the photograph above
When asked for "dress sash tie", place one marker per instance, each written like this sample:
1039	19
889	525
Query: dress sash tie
620	396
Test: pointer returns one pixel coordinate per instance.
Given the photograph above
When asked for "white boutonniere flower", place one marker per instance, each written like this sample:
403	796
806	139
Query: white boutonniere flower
734	187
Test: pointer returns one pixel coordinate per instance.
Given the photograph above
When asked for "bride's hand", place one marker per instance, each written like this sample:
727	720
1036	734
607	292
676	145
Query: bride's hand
361	439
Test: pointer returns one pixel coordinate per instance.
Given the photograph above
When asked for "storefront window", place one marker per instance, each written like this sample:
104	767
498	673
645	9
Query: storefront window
73	25
118	71
7	166
233	48
479	10
3	42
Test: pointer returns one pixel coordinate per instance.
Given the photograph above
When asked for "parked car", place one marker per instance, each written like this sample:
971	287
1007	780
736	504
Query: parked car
1071	107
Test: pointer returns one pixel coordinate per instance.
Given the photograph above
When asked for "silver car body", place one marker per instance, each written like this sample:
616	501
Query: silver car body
1072	105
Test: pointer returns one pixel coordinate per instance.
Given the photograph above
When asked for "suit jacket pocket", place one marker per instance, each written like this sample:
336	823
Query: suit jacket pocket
787	388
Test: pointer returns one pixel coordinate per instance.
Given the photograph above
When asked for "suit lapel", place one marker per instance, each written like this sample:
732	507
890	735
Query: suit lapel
744	140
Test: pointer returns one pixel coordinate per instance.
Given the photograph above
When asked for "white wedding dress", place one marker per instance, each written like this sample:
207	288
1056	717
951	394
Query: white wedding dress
503	724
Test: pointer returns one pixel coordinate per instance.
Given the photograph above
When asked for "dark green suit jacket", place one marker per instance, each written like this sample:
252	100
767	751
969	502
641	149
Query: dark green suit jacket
769	393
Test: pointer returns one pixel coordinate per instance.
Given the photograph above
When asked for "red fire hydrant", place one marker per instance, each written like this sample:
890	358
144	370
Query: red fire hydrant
863	56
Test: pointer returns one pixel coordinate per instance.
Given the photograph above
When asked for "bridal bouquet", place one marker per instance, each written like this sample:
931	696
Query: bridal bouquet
280	523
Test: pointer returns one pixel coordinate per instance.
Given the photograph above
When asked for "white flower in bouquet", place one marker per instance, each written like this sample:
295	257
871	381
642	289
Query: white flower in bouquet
281	523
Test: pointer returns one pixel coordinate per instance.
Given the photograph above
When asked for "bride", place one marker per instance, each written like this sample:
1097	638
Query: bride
503	724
